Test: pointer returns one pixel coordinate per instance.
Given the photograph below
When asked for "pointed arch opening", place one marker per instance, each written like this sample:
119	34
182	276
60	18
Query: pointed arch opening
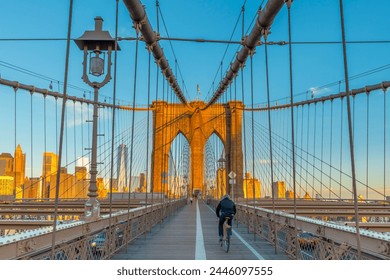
214	166
179	164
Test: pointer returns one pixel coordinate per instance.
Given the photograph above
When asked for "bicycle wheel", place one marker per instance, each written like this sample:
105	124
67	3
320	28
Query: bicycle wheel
227	241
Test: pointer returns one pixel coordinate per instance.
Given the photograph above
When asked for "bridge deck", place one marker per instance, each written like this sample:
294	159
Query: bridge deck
192	234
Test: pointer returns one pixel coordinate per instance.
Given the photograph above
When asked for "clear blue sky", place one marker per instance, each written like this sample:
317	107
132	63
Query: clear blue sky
314	64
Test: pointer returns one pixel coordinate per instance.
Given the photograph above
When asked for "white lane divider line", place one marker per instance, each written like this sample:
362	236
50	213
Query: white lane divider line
200	251
257	255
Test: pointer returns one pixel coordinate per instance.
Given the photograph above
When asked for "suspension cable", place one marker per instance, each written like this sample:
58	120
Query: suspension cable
173	50
44	146
113	114
62	128
367	139
132	125
341	141
241	14
322	145
289	2
253	144
314	146
15	141
384	144
147	140
74	135
351	144
270	138
56	125
32	140
162	179
331	147
307	147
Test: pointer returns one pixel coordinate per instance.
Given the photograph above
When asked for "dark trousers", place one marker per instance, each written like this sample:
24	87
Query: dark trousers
222	220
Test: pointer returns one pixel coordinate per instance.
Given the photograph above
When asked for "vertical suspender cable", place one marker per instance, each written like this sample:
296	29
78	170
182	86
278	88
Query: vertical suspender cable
132	123
74	135
147	140
296	134
244	132
162	152
384	144
351	146
270	136
82	135
31	137
15	118
253	147
44	147
56	127
289	2
163	114
301	149
64	99
322	148
331	148
314	147
66	136
307	147
367	140
243	112
152	186
341	141
113	118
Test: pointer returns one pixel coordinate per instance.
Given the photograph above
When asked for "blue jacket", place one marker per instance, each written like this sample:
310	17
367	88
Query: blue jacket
226	206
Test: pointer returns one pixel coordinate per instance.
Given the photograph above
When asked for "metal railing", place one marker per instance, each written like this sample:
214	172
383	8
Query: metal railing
316	240
87	240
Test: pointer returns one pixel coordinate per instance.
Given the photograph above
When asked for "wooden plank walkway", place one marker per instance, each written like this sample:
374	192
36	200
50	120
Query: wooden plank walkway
181	238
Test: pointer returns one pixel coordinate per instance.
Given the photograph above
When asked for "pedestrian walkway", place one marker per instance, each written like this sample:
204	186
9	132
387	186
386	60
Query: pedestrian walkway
192	234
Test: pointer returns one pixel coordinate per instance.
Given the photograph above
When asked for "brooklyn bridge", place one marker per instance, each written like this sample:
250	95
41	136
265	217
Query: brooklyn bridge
124	123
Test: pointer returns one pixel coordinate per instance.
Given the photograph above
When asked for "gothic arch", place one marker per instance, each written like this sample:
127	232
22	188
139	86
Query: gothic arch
197	125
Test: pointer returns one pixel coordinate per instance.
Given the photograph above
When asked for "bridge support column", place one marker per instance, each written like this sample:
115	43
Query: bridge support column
160	148
197	160
234	156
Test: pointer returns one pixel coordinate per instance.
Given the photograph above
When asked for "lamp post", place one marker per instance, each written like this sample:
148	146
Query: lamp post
96	44
221	166
185	177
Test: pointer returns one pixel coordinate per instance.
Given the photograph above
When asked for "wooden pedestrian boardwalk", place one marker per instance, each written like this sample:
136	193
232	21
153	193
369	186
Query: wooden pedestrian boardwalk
190	234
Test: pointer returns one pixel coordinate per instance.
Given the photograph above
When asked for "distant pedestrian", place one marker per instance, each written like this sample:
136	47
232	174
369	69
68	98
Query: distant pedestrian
191	200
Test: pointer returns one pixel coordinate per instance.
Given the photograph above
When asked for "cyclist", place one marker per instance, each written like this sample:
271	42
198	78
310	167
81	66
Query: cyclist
225	208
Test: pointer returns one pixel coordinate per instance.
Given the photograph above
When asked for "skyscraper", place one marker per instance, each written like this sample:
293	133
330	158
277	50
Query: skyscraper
7	187
81	182
32	188
49	167
249	188
66	188
122	167
19	166
6	165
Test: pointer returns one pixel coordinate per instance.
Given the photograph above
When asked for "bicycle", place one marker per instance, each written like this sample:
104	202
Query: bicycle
227	232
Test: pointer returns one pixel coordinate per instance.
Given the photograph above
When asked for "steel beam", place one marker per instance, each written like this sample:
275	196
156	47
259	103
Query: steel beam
32	89
367	89
142	24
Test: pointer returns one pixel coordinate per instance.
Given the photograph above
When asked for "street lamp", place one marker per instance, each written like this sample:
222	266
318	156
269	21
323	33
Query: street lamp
95	44
185	177
221	166
221	163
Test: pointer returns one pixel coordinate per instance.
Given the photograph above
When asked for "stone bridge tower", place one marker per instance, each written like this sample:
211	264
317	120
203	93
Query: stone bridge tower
197	125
